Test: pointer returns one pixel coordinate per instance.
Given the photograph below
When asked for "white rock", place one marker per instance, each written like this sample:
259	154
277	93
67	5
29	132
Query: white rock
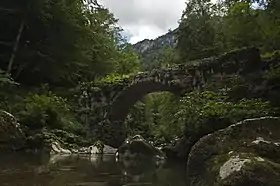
65	151
57	149
234	164
94	150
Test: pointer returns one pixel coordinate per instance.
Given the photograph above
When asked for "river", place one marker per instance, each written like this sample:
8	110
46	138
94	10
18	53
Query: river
95	170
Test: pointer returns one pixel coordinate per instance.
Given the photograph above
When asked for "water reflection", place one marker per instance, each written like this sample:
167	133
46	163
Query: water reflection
83	170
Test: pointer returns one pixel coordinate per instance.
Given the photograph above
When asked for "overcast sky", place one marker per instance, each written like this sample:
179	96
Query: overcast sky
146	19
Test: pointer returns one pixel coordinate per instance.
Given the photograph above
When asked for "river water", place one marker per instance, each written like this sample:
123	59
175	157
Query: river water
95	170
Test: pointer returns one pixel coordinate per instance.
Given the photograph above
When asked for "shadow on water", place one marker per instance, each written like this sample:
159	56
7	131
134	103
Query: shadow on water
84	170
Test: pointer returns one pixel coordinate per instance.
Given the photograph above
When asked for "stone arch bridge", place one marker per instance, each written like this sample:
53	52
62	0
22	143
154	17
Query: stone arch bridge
107	105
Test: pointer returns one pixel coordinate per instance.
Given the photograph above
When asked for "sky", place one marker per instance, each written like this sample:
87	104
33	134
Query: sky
145	19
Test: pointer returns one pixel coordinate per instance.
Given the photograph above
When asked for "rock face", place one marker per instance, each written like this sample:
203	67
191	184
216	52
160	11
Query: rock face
11	135
147	46
150	51
247	153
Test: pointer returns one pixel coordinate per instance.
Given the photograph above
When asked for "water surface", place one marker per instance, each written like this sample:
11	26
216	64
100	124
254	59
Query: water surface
96	170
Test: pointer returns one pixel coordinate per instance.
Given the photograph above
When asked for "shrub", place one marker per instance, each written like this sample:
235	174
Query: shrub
8	96
50	111
206	112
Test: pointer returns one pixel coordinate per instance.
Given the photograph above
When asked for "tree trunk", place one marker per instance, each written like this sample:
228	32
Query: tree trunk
11	61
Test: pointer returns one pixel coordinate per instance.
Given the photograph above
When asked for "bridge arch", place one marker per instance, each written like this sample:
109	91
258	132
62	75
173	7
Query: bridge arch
121	106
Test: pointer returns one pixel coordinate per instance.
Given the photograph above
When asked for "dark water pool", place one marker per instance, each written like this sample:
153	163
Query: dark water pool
96	170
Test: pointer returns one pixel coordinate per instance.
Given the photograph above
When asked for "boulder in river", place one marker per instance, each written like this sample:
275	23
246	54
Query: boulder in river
138	147
137	156
243	154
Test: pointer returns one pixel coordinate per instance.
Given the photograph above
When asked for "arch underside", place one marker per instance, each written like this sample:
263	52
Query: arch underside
129	97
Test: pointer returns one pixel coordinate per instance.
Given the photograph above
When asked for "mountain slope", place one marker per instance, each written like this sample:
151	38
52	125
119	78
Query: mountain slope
150	51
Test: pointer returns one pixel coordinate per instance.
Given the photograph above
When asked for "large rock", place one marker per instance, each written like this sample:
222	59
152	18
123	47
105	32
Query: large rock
137	157
11	135
138	147
247	153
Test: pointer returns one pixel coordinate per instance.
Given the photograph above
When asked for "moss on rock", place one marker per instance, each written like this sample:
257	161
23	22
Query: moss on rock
242	154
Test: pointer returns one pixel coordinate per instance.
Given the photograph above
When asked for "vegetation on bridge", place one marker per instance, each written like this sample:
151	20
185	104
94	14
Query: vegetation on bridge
65	44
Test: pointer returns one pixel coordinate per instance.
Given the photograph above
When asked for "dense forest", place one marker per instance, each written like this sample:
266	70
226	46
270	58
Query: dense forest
48	48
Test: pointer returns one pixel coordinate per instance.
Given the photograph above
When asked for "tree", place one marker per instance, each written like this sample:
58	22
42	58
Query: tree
62	42
127	61
207	29
196	34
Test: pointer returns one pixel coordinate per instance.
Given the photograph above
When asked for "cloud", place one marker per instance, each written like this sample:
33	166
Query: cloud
146	19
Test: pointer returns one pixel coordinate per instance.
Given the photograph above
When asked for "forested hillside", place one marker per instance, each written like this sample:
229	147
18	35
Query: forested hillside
155	53
49	48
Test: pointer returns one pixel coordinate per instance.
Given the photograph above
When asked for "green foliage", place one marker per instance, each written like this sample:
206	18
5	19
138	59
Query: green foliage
196	33
136	123
205	112
64	42
271	54
209	28
128	61
48	110
114	78
153	117
241	25
71	41
162	117
161	109
46	137
161	57
68	138
7	93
